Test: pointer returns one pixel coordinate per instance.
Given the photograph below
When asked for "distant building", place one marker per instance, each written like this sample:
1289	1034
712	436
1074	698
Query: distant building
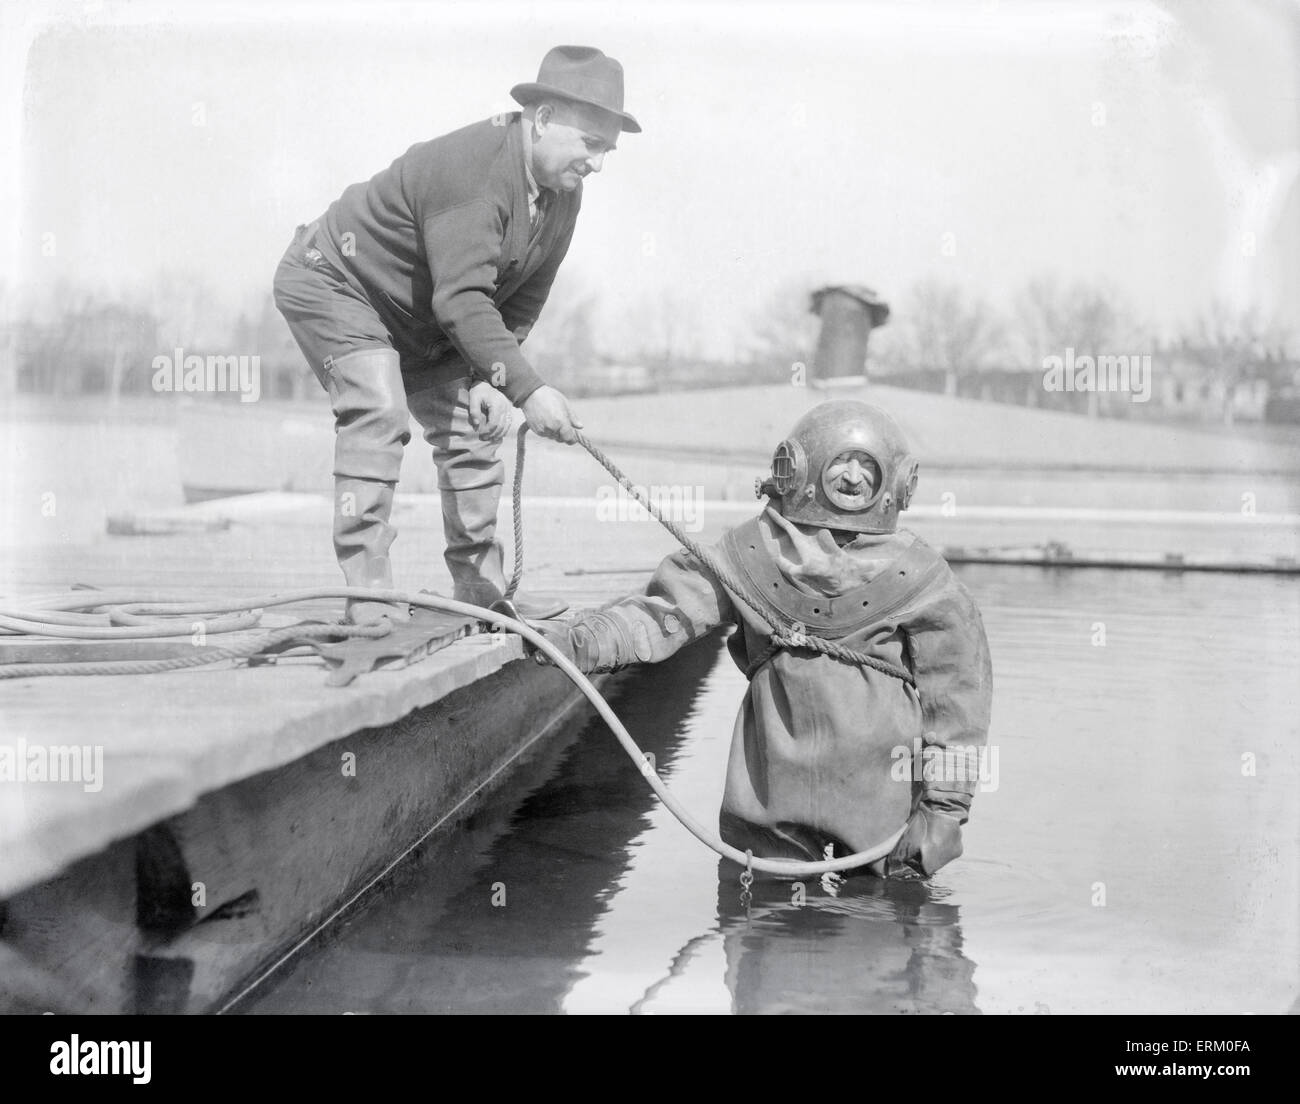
1190	387
1185	386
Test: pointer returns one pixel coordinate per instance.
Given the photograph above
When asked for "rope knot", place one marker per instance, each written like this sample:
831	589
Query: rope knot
797	636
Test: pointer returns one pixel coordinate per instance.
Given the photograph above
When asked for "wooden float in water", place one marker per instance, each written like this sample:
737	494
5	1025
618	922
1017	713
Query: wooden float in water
1056	554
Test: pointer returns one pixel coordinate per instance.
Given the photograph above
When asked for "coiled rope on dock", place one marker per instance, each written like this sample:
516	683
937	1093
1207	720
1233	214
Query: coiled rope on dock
202	657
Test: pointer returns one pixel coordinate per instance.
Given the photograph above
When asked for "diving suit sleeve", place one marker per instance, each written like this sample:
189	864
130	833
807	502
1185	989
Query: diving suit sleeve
681	603
954	679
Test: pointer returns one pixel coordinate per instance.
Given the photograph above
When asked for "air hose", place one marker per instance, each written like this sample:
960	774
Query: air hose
135	605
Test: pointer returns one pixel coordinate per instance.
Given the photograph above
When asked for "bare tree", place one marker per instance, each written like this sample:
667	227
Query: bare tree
663	331
784	331
189	312
122	339
1227	341
1049	317
943	330
51	338
670	326
1039	325
1095	324
563	343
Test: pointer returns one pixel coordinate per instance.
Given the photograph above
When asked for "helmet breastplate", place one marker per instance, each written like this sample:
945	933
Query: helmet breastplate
829	616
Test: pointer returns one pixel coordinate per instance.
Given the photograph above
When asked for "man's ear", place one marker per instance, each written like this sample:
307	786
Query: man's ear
543	115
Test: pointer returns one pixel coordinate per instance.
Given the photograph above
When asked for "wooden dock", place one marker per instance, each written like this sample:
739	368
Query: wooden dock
235	809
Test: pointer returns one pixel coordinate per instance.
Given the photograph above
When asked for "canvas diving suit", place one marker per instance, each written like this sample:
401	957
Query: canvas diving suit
822	749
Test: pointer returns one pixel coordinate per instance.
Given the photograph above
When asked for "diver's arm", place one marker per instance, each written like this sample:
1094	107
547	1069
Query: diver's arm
681	603
954	679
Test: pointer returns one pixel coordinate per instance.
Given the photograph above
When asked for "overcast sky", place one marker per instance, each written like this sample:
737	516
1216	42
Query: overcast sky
1153	146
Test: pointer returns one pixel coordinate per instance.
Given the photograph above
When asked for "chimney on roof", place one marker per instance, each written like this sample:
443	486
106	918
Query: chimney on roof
849	312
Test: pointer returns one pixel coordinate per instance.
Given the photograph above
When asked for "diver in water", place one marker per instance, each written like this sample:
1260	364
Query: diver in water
815	760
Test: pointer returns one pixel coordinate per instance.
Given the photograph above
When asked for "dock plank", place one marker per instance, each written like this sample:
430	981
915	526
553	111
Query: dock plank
166	739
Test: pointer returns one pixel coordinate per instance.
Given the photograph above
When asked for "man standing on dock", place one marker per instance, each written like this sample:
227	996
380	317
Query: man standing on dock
412	294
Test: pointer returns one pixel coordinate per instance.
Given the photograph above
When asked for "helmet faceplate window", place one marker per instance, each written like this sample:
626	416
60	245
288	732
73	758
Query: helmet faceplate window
852	480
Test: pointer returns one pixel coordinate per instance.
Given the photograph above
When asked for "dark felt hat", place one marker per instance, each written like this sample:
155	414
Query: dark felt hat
582	74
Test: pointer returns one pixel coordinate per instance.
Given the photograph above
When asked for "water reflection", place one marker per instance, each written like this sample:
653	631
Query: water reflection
866	946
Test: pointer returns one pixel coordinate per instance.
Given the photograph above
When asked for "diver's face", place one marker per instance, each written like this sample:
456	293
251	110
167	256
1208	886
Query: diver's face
851	480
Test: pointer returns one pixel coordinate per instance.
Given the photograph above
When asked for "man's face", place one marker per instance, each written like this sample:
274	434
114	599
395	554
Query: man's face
851	480
569	142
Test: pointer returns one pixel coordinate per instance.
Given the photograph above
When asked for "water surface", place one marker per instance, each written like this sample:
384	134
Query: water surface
1138	855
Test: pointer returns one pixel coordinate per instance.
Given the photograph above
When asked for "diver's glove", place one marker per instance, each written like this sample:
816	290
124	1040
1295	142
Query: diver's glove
596	642
558	634
932	838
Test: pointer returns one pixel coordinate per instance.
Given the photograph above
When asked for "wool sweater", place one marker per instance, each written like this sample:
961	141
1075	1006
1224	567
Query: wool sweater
440	243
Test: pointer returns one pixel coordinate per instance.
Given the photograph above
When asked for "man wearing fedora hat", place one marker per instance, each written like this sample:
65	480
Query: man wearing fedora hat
412	295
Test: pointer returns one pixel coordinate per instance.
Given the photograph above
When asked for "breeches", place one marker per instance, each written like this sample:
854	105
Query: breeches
351	351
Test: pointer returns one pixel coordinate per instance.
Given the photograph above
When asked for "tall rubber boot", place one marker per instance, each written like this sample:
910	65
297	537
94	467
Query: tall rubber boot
470	477
372	426
473	555
362	537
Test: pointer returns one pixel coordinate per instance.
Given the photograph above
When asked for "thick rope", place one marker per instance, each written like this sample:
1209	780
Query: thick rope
780	636
517	505
202	656
121	623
